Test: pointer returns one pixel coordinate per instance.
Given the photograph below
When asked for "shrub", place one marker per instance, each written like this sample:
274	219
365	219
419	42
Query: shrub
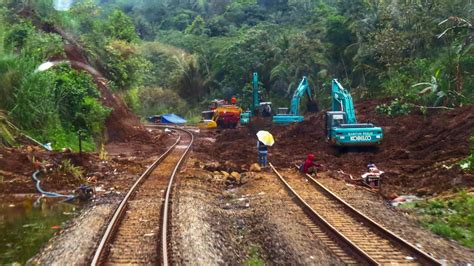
395	108
468	163
453	218
7	130
67	167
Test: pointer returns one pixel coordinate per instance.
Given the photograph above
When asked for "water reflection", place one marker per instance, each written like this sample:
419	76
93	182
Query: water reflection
25	226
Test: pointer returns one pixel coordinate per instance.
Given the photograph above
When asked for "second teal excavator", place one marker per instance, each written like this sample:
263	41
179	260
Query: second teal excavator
258	107
292	115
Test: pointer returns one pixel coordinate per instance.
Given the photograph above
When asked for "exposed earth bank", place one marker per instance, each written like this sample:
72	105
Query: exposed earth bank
419	153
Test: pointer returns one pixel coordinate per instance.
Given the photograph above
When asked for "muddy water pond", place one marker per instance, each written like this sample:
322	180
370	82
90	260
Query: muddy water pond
27	224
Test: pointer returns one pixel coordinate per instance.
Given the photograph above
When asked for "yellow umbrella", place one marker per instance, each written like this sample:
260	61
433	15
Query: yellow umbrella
265	137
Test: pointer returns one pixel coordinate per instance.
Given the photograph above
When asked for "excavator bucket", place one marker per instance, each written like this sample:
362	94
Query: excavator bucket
207	121
206	124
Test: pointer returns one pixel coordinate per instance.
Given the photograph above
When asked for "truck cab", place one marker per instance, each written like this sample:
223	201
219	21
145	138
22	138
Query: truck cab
340	133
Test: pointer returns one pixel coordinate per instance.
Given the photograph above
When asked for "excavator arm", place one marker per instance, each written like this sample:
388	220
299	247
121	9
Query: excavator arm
293	115
303	88
342	101
255	95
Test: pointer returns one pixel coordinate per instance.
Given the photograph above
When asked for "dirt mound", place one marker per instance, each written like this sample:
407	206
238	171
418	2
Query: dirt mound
419	151
231	147
18	164
416	152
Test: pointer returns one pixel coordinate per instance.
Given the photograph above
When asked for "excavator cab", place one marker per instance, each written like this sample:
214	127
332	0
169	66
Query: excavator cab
282	110
341	133
265	109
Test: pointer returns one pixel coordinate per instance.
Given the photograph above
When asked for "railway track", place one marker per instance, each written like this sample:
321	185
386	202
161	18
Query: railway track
349	234
138	230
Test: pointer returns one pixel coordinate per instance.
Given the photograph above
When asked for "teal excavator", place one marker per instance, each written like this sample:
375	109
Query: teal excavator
342	129
258	107
292	115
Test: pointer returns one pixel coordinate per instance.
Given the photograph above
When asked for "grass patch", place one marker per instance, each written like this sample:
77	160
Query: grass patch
468	163
67	167
255	259
452	218
60	139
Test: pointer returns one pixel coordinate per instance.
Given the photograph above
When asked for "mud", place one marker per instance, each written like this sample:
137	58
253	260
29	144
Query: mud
122	159
419	152
219	219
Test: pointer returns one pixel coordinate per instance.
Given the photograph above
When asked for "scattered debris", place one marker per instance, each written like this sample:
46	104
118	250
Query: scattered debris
403	199
255	168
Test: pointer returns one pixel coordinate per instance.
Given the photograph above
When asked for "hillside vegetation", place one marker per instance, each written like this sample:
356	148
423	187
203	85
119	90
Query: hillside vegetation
174	56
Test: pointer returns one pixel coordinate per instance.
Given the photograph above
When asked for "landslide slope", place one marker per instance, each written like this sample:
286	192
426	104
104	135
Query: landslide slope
419	152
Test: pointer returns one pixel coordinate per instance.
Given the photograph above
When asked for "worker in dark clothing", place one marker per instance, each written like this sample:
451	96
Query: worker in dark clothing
309	166
267	111
262	154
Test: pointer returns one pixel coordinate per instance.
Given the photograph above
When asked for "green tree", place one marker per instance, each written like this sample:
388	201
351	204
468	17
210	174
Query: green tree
120	27
197	27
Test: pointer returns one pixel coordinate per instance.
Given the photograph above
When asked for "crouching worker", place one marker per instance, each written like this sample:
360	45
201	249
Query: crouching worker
373	176
262	154
309	166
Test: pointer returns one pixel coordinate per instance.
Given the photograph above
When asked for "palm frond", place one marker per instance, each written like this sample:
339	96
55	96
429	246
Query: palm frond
7	130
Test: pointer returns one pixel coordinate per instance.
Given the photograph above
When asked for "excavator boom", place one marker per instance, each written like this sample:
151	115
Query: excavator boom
255	96
258	109
342	101
294	112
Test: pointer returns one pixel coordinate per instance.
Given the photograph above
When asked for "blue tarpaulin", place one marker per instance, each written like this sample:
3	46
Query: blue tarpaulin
172	119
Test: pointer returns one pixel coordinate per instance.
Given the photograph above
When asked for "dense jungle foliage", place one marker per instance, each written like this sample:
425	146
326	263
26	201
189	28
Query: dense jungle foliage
176	55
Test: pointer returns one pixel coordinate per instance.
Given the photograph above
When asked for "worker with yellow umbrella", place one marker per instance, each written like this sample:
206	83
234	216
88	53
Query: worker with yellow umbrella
265	139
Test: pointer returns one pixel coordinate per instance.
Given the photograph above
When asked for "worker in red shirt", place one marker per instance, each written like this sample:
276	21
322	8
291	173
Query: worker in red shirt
309	166
233	100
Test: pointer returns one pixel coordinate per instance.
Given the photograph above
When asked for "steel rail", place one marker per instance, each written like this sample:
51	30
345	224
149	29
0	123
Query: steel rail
355	250
120	210
422	256
164	228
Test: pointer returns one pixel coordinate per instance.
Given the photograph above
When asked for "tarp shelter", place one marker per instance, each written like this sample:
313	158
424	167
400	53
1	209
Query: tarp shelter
172	119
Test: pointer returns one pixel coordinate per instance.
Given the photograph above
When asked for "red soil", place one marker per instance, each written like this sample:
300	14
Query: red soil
416	152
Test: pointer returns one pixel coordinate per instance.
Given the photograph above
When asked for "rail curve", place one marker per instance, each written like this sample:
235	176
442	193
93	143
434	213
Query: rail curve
141	220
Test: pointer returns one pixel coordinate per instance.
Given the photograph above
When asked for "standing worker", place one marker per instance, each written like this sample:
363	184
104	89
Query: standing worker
262	153
265	139
233	100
